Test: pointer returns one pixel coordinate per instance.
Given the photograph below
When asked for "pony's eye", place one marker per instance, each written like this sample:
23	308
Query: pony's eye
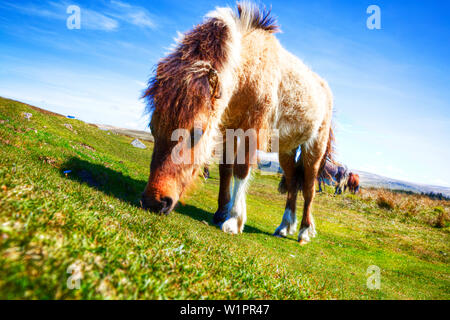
196	134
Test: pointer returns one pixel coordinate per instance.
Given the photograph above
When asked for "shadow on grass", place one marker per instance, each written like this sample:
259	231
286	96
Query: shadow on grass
104	179
202	215
115	183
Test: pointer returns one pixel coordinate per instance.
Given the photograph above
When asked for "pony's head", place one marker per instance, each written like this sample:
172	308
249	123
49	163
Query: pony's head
183	99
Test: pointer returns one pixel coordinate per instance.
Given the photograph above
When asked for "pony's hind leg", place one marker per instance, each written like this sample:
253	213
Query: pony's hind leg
312	155
289	222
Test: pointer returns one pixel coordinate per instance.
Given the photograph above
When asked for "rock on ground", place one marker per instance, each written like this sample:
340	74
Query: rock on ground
136	143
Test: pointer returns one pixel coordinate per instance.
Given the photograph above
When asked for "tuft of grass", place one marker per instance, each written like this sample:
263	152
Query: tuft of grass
408	206
442	217
385	201
69	206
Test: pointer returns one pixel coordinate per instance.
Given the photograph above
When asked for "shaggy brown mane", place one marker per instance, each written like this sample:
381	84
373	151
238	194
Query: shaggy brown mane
181	86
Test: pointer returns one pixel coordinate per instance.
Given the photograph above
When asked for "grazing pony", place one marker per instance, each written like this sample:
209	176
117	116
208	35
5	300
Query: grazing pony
332	171
341	179
352	183
328	173
206	172
231	73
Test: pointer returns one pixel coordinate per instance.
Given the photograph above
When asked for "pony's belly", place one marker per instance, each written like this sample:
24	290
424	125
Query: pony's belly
295	133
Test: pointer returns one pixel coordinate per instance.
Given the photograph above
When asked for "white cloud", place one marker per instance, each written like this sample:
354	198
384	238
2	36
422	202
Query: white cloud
96	21
90	19
141	84
134	15
33	10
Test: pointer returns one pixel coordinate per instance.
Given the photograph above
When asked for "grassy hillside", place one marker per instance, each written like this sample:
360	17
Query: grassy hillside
89	219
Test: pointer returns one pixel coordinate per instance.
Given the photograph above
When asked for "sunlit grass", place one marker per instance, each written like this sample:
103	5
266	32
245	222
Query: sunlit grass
90	218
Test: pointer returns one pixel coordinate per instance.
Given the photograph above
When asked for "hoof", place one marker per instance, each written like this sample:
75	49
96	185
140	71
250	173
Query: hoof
281	231
306	233
230	226
220	217
279	234
284	230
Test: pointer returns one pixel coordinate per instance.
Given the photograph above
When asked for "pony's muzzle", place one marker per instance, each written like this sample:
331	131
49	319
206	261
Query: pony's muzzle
162	206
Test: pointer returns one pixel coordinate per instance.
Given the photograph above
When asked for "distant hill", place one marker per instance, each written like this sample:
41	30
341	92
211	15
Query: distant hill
143	135
367	179
373	180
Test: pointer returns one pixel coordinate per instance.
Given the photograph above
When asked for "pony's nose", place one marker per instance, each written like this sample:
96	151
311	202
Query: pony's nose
166	205
162	206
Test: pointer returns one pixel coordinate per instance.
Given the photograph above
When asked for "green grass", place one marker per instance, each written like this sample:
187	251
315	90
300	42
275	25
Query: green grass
90	218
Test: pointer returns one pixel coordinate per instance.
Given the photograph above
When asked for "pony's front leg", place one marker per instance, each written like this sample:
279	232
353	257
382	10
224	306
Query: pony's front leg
238	212
289	223
222	213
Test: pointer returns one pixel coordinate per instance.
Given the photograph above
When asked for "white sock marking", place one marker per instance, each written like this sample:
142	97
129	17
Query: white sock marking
306	233
288	224
238	213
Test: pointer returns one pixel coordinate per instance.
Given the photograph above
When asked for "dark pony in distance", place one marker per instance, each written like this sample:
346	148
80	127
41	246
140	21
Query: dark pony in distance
333	172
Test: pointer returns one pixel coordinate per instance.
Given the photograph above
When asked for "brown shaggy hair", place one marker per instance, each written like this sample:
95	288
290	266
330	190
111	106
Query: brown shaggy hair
182	85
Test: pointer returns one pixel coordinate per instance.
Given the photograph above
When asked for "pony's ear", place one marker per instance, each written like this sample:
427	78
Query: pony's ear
214	84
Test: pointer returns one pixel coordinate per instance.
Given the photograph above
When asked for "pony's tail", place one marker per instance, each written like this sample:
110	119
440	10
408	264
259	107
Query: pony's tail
329	152
282	187
298	176
300	171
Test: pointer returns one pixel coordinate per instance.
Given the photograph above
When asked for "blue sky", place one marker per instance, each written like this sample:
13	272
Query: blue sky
391	86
